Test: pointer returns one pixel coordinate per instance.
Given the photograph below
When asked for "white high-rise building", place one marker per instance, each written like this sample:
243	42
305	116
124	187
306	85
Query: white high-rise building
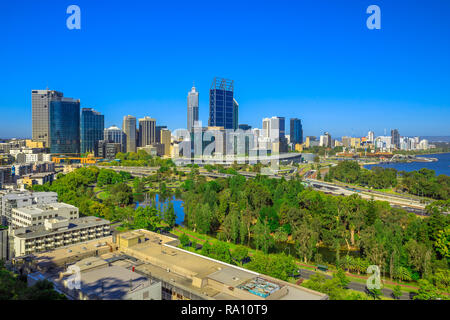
192	108
129	129
370	137
384	143
266	128
423	144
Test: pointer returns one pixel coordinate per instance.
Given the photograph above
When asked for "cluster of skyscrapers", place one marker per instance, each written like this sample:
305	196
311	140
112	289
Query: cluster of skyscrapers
226	134
59	126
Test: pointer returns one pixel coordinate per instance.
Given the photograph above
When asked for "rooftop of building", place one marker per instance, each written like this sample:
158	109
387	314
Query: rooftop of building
111	282
203	276
38	209
71	253
12	195
39	175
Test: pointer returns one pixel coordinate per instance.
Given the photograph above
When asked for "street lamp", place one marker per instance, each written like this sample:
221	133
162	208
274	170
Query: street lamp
288	249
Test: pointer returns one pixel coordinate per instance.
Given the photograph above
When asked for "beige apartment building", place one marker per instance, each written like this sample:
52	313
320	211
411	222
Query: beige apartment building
36	215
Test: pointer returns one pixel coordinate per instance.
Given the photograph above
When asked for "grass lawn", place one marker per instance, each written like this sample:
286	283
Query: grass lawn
103	195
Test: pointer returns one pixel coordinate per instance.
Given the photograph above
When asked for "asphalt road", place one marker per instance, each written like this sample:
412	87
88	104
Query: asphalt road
306	274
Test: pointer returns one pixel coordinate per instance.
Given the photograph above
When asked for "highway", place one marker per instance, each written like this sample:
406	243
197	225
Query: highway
408	204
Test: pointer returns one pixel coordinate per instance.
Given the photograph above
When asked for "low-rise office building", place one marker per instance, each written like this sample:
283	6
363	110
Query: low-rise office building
57	232
179	274
186	275
107	149
36	179
36	215
12	200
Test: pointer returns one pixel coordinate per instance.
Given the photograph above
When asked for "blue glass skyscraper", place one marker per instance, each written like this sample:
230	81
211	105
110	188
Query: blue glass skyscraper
296	134
65	126
222	110
92	128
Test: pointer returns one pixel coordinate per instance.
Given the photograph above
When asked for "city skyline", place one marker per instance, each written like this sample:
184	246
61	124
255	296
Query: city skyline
351	81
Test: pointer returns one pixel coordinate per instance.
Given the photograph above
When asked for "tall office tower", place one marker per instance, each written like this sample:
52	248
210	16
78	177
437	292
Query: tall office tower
65	126
329	140
158	133
221	105
40	106
115	135
92	129
277	128
296	131
235	114
165	140
192	108
370	136
138	138
129	129
395	138
266	128
277	133
147	131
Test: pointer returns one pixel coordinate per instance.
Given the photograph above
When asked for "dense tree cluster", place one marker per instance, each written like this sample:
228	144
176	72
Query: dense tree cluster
350	172
13	287
334	288
139	159
423	182
264	211
76	188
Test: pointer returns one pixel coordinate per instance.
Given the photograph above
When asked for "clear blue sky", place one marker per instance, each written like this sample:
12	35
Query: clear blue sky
313	59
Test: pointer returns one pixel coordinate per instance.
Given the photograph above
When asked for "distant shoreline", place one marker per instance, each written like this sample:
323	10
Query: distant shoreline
440	166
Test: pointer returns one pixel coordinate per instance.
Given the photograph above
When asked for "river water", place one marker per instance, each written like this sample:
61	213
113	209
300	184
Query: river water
442	166
149	199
